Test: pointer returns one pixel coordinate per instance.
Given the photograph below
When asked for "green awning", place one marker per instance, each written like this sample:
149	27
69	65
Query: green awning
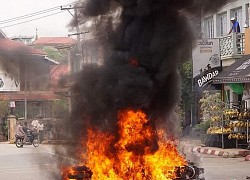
238	88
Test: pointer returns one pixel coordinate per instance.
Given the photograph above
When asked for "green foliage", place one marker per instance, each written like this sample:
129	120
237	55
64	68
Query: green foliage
4	111
4	108
60	108
186	76
211	105
180	118
212	108
203	126
54	54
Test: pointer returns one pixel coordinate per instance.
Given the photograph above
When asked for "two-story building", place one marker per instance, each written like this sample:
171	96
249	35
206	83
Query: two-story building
25	80
233	50
232	46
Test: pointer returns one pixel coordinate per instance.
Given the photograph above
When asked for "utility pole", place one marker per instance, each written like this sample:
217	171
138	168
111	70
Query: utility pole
74	66
79	55
25	91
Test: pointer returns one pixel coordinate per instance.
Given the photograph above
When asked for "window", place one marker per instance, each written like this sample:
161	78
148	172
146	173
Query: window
237	13
210	28
222	24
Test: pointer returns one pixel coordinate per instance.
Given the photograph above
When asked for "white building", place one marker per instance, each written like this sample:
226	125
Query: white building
232	46
218	24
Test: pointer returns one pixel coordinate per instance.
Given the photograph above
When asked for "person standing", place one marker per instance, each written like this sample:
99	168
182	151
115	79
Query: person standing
236	29
235	26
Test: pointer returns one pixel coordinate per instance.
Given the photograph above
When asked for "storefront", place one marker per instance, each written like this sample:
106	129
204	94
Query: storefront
231	130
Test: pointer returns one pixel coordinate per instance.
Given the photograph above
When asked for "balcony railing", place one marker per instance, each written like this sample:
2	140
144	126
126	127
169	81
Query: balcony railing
232	45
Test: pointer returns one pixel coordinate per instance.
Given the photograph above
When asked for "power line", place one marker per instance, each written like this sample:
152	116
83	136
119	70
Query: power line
26	16
31	20
35	13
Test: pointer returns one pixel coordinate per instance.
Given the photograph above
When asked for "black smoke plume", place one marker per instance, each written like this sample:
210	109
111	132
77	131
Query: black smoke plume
142	51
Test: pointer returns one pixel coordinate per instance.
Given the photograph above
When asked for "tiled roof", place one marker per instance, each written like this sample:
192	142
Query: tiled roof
54	41
8	46
57	72
30	95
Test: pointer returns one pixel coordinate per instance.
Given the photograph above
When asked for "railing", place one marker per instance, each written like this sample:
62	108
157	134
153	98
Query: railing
232	45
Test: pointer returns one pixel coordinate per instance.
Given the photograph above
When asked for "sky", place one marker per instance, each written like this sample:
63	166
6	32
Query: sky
51	26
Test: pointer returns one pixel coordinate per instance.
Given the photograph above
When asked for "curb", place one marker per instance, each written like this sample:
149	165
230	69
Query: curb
247	158
223	153
208	151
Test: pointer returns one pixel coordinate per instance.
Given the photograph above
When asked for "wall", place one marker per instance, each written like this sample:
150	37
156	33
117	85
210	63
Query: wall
228	9
247	41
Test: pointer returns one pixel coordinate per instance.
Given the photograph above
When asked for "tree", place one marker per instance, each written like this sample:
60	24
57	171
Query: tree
186	96
60	108
4	111
212	109
4	108
54	54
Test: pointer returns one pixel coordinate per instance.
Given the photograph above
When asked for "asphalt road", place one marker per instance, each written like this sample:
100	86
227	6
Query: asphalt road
27	163
220	168
30	163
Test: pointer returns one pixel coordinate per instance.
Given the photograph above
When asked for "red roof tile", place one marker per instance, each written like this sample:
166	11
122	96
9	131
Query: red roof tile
55	41
30	95
57	72
8	46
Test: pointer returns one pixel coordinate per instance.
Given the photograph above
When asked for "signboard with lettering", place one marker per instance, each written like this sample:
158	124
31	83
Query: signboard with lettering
239	69
206	62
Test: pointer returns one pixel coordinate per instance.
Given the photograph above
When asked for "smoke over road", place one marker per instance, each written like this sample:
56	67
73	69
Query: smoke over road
144	42
143	48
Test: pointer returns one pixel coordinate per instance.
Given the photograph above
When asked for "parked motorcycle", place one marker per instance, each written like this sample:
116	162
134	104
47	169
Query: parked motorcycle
32	139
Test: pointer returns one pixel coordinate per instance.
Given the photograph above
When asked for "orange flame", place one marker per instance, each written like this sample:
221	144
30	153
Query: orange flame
139	153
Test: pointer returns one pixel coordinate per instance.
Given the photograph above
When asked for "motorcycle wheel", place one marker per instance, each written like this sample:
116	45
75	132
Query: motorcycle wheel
19	143
35	142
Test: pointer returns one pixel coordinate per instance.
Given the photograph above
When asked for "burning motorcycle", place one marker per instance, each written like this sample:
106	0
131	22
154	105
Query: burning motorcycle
32	139
189	172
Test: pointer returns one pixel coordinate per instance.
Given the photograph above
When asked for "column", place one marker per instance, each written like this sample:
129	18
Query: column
12	128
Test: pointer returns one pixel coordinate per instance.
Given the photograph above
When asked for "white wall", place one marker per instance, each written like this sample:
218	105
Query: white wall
8	82
228	9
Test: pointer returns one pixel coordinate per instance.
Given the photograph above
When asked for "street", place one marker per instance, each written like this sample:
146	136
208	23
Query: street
27	163
219	168
30	163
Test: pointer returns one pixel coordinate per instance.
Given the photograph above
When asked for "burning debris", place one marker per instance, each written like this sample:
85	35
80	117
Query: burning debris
133	155
182	173
123	118
80	173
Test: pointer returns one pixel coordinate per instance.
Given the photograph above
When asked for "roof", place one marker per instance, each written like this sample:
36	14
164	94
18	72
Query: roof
8	46
237	72
30	95
57	71
51	60
55	41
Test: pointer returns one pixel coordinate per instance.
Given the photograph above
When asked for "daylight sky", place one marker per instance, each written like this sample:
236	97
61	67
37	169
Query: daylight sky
53	25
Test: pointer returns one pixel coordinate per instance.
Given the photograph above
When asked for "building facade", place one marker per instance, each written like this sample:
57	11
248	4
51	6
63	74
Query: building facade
232	46
218	24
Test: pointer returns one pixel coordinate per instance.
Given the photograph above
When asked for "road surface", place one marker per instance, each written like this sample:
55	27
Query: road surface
27	163
30	163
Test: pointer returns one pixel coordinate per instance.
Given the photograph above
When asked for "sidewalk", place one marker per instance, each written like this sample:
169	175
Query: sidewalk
194	145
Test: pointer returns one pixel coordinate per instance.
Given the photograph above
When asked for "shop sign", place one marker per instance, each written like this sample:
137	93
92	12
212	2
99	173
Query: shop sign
206	61
204	79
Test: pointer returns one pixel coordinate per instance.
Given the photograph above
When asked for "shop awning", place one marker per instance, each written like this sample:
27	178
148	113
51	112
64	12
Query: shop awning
238	72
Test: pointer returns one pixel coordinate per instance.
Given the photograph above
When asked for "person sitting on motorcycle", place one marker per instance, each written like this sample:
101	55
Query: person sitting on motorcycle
19	131
25	130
